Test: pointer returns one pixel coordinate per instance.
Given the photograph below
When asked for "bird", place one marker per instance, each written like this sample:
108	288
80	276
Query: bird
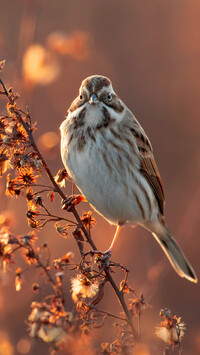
110	159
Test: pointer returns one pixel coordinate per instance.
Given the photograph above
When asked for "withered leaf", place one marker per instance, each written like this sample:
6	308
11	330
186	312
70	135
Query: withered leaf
2	64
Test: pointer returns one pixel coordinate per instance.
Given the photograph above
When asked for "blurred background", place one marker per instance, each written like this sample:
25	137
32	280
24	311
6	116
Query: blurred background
150	50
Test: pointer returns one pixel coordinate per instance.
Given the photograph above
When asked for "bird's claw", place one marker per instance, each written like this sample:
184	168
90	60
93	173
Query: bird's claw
103	257
72	201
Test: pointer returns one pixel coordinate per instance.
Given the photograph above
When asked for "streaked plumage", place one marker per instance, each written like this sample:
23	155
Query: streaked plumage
110	158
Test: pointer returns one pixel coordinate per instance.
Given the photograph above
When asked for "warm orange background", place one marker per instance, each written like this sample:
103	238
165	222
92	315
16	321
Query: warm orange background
151	52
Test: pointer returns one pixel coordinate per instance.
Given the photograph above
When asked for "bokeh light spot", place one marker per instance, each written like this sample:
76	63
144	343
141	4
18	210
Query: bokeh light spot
6	347
48	140
23	346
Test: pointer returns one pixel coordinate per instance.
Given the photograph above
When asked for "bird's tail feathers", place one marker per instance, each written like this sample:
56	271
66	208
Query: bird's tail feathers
176	257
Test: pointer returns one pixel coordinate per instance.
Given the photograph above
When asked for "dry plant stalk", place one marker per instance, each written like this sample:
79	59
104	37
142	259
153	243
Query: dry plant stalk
51	319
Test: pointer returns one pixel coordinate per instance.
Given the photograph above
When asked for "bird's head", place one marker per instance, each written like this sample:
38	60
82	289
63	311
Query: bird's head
96	95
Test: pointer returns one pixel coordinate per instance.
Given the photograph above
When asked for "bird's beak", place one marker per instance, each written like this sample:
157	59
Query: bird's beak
93	99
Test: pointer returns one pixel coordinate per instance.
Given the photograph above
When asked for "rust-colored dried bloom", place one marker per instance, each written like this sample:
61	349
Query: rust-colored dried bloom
7	256
19	134
48	324
2	64
5	163
63	261
27	240
35	287
36	162
18	279
22	161
11	108
138	305
33	224
67	257
82	286
4	235
11	187
59	278
51	334
5	246
88	220
27	177
32	213
52	196
60	177
29	195
62	230
38	201
171	330
7	140
30	256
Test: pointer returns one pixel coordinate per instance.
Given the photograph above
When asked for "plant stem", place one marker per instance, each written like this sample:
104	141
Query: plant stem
120	296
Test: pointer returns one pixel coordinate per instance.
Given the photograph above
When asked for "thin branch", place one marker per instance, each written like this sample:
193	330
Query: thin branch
56	218
106	313
120	296
45	270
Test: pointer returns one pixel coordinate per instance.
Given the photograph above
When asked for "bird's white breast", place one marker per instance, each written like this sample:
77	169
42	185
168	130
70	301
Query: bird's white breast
108	190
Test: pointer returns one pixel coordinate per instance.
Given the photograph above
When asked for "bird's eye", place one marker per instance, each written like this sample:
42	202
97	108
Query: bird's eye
81	97
109	97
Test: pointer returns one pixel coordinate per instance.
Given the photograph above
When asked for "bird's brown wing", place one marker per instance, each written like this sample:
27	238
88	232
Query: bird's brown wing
148	165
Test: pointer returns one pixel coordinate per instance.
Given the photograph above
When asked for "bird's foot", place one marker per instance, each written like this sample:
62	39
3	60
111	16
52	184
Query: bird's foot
102	257
72	201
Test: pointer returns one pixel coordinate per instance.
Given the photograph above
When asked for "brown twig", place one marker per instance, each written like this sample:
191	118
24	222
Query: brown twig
120	296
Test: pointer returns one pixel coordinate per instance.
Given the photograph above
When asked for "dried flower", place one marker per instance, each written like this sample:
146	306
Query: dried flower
60	177
51	195
27	177
11	108
29	195
87	219
4	235
33	224
81	286
30	256
38	201
171	330
59	277
63	261
66	258
7	258
5	163
26	240
36	163
11	187
24	159
51	334
19	133
2	64
138	305
31	214
35	287
18	279
7	140
48	323
62	230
